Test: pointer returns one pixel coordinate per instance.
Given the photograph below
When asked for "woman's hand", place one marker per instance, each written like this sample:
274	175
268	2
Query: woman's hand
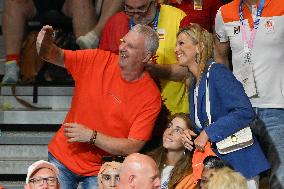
76	132
201	141
152	60
187	137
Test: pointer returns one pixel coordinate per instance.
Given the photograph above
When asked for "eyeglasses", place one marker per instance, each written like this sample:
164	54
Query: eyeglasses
178	130
140	10
107	177
51	181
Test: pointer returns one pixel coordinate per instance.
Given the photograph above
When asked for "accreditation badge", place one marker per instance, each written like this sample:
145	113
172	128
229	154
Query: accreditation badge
269	26
198	4
244	73
162	34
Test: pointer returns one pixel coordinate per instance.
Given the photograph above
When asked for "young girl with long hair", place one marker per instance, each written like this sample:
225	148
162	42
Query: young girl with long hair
174	156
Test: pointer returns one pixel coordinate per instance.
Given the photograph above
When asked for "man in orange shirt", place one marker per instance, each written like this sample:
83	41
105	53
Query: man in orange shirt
114	107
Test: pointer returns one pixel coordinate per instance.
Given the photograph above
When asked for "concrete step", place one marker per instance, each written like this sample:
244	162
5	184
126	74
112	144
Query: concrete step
2	62
13	184
16	167
41	91
15	159
22	152
29	127
19	184
24	138
55	102
2	49
23	116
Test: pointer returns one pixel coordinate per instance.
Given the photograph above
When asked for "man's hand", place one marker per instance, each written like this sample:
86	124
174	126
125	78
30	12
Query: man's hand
186	138
153	59
201	141
76	132
46	48
46	30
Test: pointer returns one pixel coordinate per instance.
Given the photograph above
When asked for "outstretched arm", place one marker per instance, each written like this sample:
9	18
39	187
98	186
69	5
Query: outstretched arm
46	48
173	72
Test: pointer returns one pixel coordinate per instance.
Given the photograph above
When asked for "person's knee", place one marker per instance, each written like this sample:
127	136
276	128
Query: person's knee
23	8
73	7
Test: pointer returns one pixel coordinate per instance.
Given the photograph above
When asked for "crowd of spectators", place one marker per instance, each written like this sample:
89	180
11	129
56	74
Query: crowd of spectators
173	54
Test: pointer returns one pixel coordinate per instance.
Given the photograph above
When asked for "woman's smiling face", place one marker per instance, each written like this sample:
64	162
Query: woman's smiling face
185	49
172	139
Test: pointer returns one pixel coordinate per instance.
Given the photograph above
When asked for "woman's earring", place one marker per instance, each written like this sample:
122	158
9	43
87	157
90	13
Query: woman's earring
197	58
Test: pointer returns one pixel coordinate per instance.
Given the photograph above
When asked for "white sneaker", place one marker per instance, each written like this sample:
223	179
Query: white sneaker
11	73
88	41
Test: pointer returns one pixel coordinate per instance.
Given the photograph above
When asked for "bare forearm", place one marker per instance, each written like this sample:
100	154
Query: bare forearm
118	146
172	72
110	7
222	60
221	51
54	55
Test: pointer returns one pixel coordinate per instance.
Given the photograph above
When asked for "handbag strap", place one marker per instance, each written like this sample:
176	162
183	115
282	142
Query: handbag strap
208	106
25	103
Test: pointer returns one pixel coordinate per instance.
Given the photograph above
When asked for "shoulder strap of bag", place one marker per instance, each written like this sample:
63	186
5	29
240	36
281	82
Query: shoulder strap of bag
25	103
208	106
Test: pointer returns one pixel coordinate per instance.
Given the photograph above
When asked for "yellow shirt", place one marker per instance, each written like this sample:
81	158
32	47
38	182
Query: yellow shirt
174	94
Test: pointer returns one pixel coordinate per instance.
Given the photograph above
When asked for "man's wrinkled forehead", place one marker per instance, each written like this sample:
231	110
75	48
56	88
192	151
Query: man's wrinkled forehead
134	38
35	173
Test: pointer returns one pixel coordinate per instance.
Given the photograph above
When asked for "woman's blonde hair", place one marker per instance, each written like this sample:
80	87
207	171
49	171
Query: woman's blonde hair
226	178
204	39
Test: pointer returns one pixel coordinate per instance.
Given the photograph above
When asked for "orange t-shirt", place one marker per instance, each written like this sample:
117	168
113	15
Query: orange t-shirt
104	101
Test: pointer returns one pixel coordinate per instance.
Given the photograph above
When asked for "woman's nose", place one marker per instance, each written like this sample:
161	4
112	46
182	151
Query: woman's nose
113	182
176	49
170	130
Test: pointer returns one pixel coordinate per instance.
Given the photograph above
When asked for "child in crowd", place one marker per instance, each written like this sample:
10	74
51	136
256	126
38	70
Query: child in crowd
108	176
174	156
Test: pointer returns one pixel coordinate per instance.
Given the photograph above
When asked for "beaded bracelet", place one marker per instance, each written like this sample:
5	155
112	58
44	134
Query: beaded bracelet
93	138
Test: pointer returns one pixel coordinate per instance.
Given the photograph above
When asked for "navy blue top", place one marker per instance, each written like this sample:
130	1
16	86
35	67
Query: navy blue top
231	111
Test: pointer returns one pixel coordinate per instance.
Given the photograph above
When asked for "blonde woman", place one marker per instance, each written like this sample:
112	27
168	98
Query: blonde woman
226	178
230	109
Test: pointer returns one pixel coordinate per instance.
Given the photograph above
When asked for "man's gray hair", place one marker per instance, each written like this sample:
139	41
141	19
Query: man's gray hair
151	37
